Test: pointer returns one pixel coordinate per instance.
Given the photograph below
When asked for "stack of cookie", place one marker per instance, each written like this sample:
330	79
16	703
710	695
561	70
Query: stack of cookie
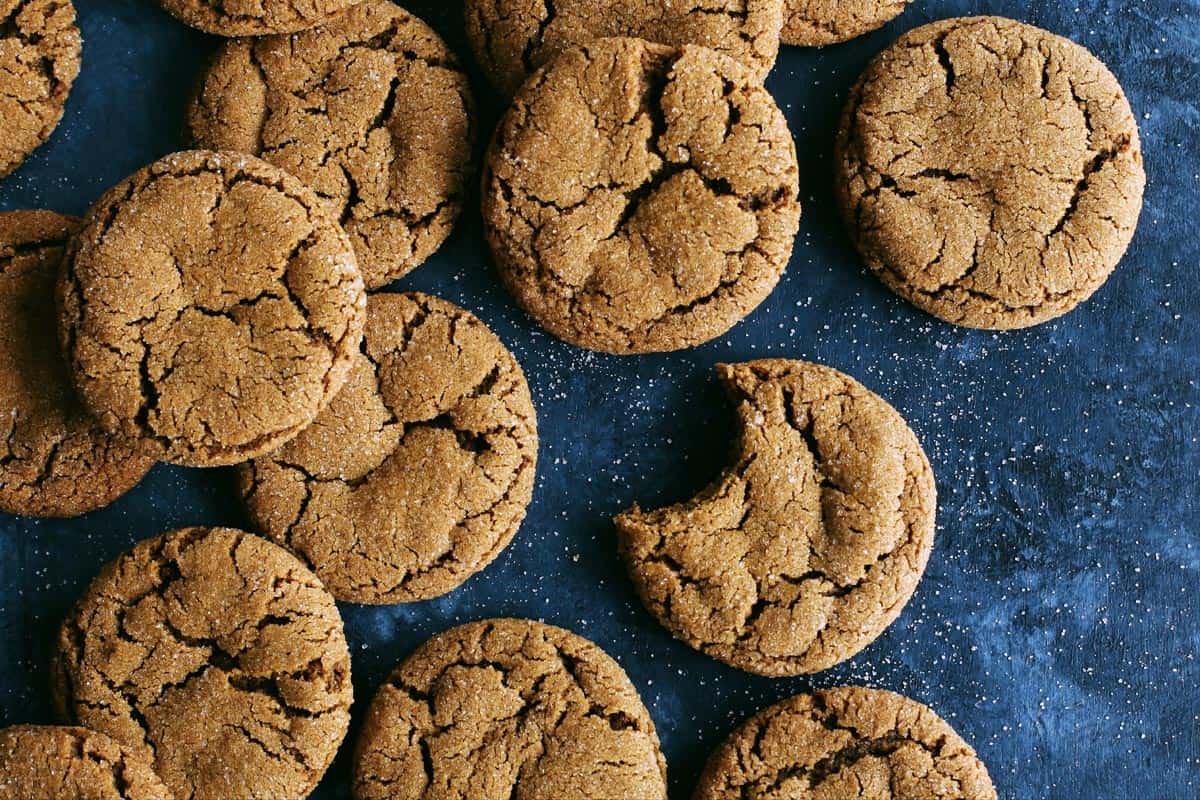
640	194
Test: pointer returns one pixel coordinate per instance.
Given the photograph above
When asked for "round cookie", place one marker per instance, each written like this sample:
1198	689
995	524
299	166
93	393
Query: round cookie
419	472
846	742
55	461
513	38
62	763
815	23
216	655
640	197
40	50
508	707
371	110
810	544
990	172
210	306
254	17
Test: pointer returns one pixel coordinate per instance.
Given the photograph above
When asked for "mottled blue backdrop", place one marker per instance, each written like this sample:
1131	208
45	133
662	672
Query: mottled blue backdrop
1056	627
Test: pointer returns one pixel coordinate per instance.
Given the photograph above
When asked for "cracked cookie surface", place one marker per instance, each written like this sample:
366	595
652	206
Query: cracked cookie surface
848	743
370	110
218	656
508	708
55	460
40	50
254	17
990	172
814	23
810	544
210	306
65	763
418	473
639	197
513	38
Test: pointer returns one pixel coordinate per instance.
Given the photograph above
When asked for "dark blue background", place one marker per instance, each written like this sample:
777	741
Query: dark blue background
1056	627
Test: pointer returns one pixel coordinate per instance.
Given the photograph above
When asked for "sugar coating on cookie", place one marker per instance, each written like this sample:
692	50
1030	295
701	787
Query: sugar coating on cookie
40	50
513	38
55	460
842	743
814	23
371	110
810	543
508	708
66	763
419	472
216	655
210	306
640	197
254	17
989	171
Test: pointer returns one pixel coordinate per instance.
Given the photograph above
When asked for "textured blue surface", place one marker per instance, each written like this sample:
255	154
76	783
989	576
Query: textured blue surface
1056	627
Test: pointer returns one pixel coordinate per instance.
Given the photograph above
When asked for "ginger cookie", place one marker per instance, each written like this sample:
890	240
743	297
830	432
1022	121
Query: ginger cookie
513	38
216	655
815	23
371	110
55	460
811	542
846	742
640	197
419	472
211	306
62	763
40	50
990	172
508	708
254	17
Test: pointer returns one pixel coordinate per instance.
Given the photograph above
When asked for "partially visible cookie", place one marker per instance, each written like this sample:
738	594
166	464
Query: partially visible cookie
216	655
989	171
371	110
55	460
418	473
39	59
512	38
211	307
814	23
508	708
254	17
640	197
841	743
62	763
813	540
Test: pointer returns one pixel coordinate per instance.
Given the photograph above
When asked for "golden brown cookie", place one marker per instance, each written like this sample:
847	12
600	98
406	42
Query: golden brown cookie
39	60
61	763
371	110
512	38
640	197
849	742
211	306
55	461
810	544
218	656
508	708
254	17
990	172
814	23
418	473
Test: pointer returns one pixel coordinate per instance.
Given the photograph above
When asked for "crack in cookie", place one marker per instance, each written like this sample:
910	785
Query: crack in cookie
419	472
641	198
809	545
990	172
254	17
844	743
65	763
504	708
218	656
